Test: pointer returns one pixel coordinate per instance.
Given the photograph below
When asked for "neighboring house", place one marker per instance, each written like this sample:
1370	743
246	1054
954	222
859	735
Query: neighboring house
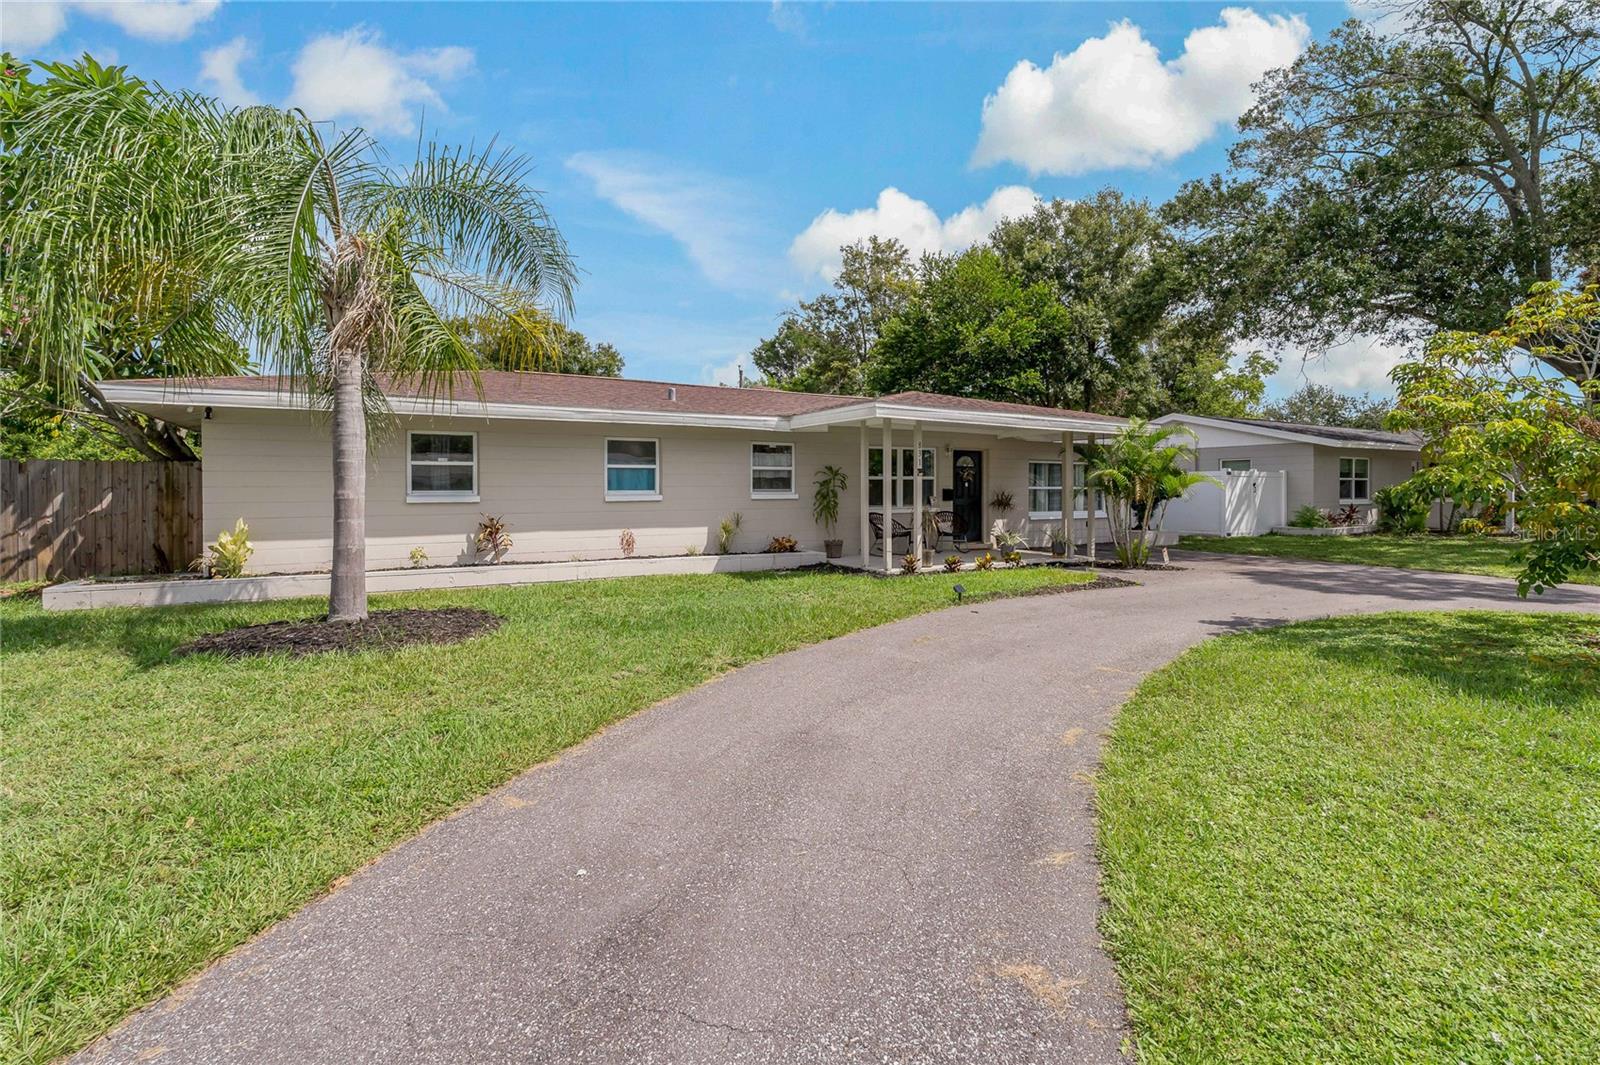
571	461
1324	466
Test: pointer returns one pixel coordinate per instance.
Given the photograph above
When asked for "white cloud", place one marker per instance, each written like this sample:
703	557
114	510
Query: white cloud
25	26
219	68
29	24
1112	102
1361	364
703	213
726	373
786	18
355	75
908	220
154	20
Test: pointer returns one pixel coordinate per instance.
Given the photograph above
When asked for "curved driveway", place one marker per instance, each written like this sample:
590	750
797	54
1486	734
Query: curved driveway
877	849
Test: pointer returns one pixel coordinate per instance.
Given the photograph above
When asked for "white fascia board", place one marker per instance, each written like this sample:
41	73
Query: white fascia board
1278	434
966	418
133	395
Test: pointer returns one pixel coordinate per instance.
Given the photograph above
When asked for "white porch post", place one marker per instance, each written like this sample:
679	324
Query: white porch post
1068	496
916	489
863	487
1088	507
888	497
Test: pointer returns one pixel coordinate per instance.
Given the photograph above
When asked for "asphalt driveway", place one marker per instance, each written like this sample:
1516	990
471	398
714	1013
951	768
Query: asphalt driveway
875	849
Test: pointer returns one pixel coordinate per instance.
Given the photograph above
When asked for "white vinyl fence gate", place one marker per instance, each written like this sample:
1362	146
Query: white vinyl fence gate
1242	503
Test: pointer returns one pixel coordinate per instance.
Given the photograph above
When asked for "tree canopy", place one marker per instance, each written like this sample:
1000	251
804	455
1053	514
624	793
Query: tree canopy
1314	404
1415	174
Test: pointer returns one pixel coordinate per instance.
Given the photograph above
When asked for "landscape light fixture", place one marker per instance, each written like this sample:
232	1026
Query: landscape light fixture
960	590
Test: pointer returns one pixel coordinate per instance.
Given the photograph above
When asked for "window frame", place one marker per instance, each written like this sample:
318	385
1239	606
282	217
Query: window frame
1364	478
930	475
414	496
1249	465
793	467
1059	489
606	466
1083	491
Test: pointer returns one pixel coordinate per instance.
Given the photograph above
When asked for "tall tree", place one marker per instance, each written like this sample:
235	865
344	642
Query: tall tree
824	343
333	266
1417	173
85	306
1314	404
530	336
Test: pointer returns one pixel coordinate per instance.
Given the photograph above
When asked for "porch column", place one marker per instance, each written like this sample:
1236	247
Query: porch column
1068	496
1088	506
866	495
888	497
916	489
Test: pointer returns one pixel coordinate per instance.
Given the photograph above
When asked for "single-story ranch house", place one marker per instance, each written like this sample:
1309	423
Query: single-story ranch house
571	461
1327	467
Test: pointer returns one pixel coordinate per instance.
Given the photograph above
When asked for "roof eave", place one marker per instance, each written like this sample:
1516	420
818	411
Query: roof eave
1284	434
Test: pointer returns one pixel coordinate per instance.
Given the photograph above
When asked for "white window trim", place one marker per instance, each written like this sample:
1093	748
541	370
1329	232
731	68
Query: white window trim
794	470
1045	515
931	475
1249	465
1341	478
441	497
606	467
1055	515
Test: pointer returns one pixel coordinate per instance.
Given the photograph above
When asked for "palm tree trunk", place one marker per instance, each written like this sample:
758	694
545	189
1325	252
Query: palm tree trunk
347	600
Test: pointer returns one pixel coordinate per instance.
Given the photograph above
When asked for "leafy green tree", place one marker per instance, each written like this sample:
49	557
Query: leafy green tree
335	268
1141	469
83	306
1314	404
1398	181
823	345
1502	436
530	336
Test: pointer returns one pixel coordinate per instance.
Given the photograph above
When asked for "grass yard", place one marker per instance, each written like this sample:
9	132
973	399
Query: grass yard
1488	555
155	813
1369	839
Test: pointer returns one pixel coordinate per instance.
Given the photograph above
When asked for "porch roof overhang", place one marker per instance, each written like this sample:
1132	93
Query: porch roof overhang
875	413
185	403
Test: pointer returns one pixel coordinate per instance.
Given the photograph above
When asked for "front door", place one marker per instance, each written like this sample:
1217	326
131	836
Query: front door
966	495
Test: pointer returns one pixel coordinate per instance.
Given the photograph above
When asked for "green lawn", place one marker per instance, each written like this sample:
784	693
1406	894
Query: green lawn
1363	840
1488	555
155	813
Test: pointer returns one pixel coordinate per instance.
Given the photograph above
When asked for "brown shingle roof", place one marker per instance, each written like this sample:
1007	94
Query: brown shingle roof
626	394
574	390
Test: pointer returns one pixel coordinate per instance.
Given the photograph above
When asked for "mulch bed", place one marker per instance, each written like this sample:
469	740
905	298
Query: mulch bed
1101	581
384	630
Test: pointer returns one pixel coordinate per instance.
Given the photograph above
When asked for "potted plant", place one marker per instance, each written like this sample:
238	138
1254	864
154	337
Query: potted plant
1058	543
825	507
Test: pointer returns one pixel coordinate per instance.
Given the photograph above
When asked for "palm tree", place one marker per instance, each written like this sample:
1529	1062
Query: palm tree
1140	471
339	272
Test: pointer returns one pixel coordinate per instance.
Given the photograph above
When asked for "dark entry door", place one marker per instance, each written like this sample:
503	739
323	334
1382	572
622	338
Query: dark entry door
966	495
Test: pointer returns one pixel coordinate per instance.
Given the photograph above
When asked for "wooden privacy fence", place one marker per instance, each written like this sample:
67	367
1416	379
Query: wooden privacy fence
61	520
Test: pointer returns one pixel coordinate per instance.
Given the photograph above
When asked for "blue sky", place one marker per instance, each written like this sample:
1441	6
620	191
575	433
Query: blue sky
702	159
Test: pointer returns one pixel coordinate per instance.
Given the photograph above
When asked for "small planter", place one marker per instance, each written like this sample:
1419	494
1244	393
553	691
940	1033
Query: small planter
1058	548
833	548
1328	530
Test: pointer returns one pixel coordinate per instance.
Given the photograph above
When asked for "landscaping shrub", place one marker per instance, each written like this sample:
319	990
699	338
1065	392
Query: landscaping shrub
1400	512
1309	517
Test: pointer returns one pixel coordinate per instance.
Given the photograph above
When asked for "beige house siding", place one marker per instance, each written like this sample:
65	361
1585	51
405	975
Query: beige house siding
1313	469
1298	461
273	469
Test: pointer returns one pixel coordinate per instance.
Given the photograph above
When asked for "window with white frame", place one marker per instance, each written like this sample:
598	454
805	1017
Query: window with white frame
1236	465
1355	482
441	467
902	476
772	471
1044	490
1080	494
633	469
